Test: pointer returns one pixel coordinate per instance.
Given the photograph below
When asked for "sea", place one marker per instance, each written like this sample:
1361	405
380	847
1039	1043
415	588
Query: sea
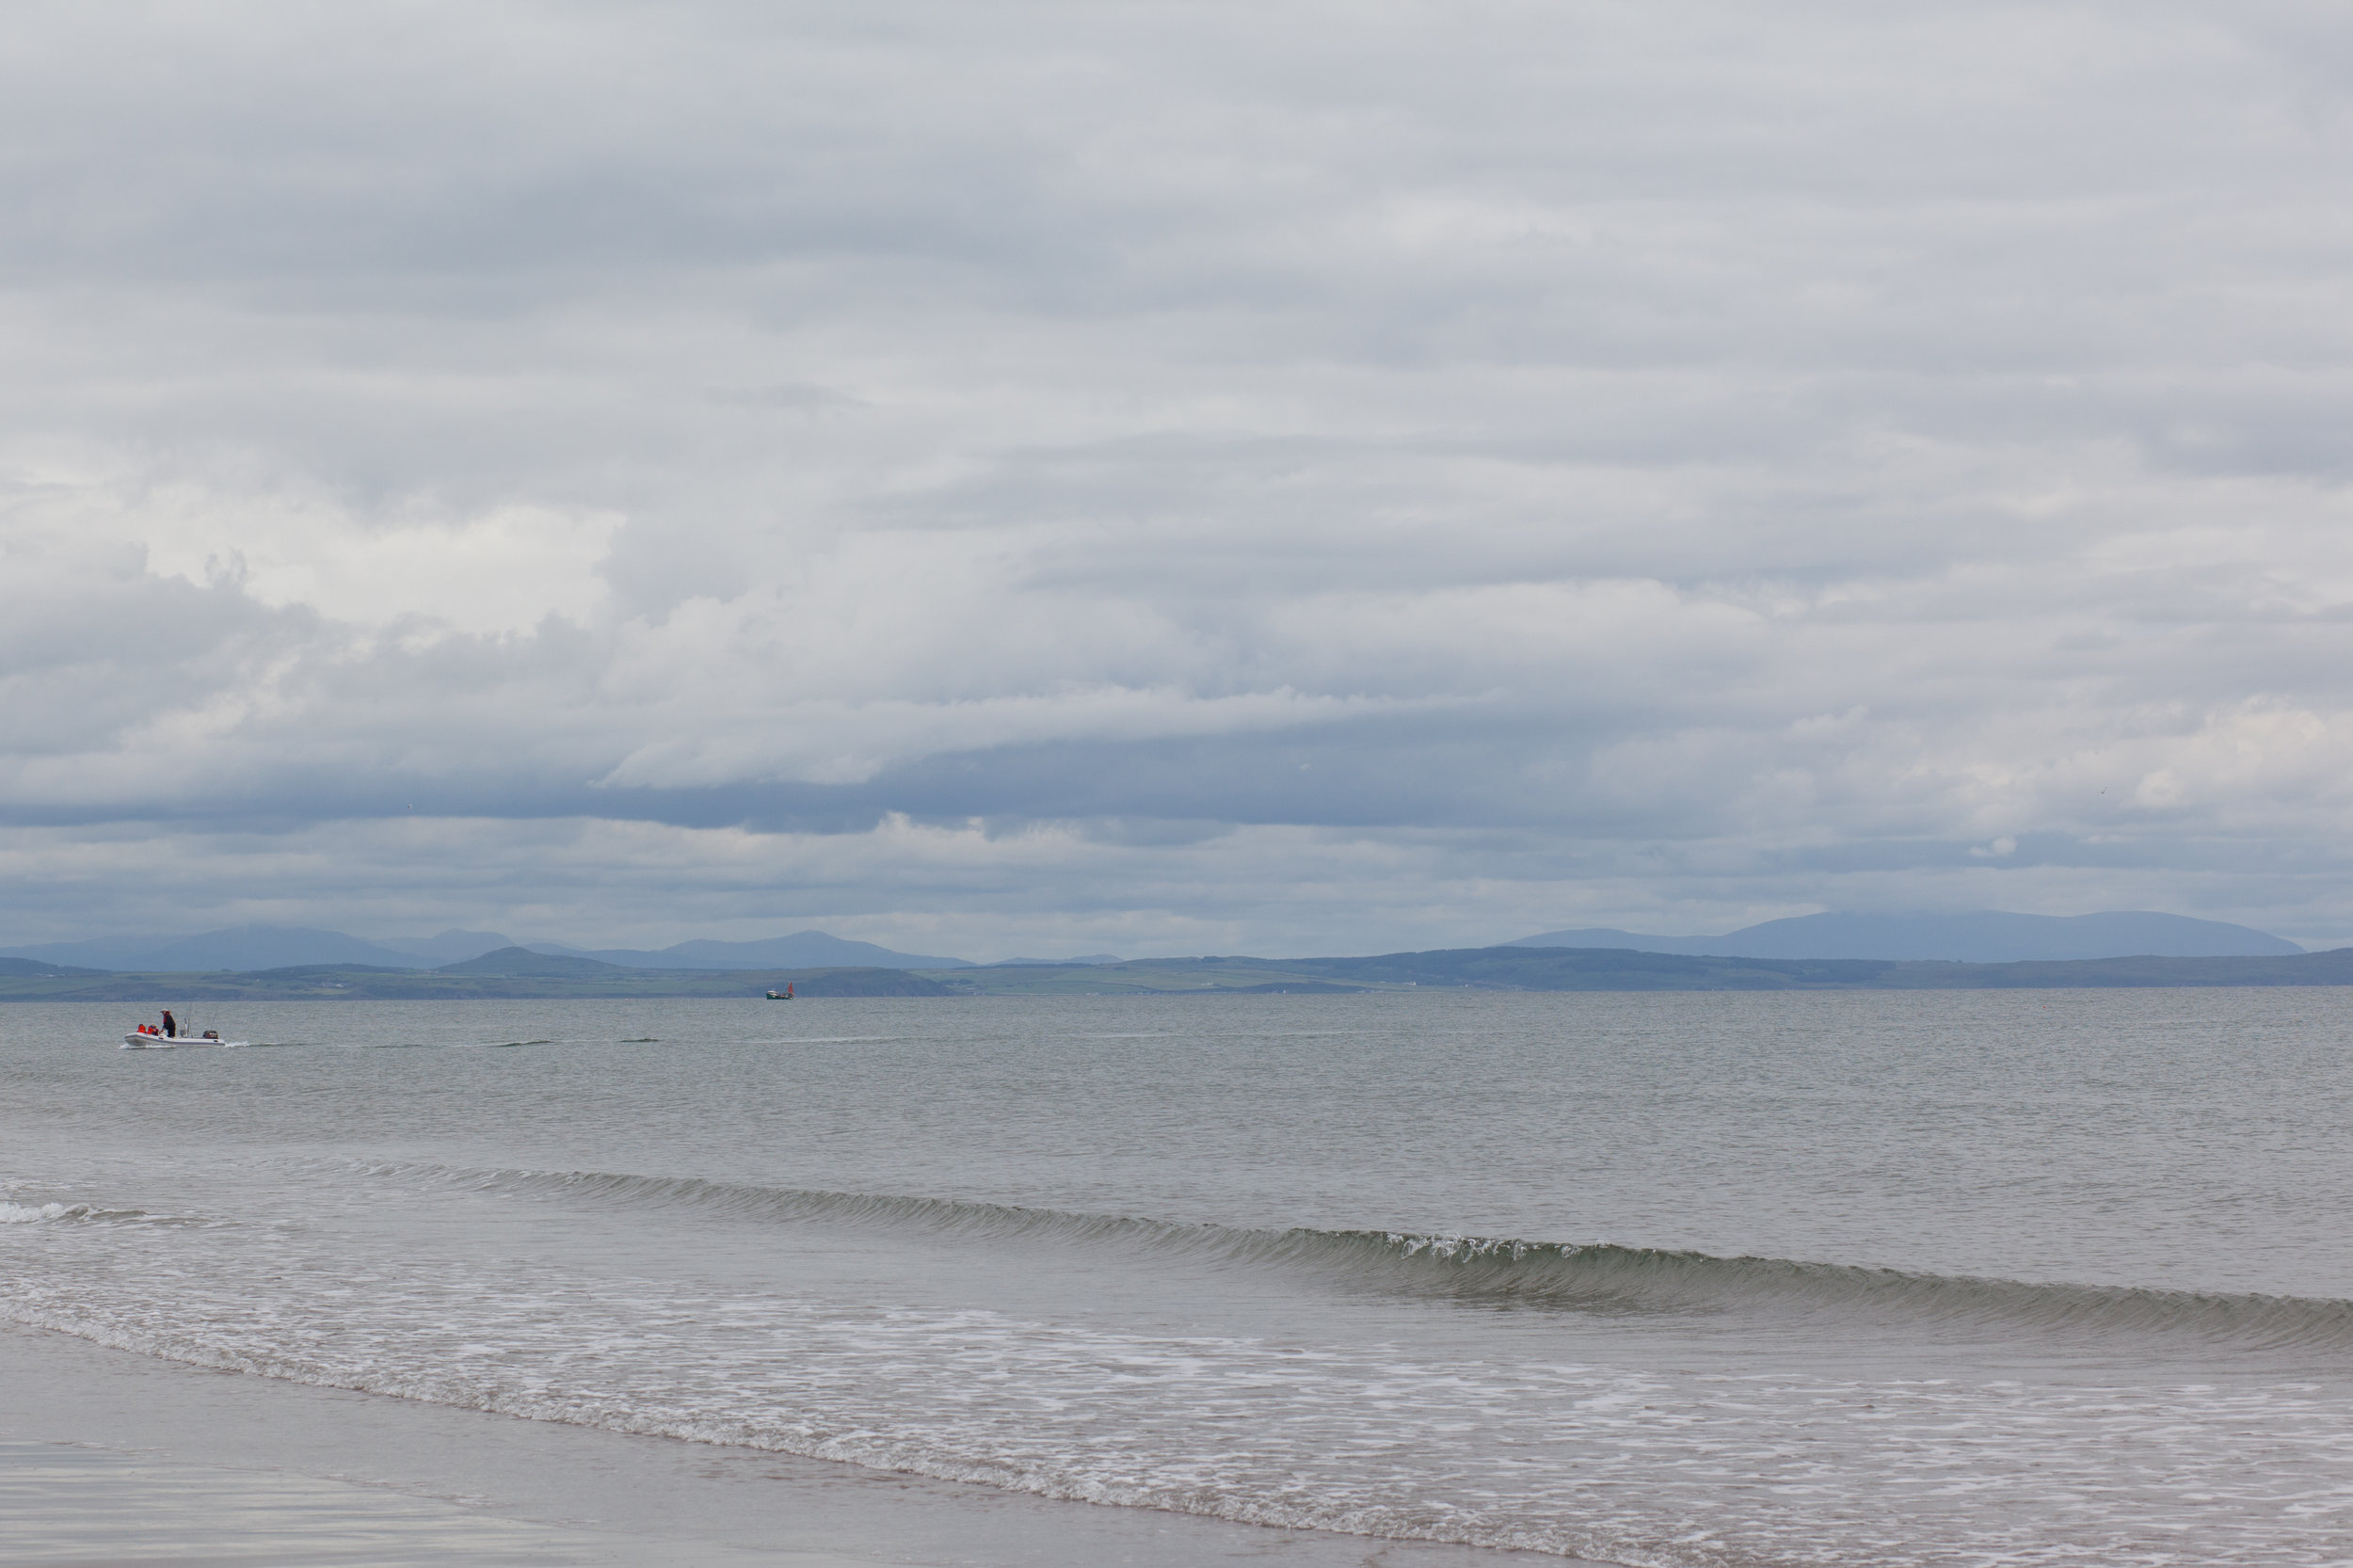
1677	1281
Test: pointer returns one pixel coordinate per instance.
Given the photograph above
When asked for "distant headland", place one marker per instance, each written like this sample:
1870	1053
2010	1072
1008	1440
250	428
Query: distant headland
1973	937
518	972
1976	936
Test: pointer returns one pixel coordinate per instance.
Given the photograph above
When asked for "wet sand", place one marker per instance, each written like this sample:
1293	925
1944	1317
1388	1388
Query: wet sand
65	1505
110	1460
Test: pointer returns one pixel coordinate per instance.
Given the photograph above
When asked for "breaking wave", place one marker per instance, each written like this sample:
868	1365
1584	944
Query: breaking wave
35	1213
1600	1278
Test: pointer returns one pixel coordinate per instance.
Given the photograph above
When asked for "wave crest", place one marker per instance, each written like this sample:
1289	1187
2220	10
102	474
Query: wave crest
37	1213
1601	1278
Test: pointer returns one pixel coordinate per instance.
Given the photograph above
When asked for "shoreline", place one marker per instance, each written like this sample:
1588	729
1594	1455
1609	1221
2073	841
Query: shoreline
110	1459
71	1505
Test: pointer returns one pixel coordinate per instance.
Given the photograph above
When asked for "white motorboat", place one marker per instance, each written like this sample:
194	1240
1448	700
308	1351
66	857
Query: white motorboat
148	1037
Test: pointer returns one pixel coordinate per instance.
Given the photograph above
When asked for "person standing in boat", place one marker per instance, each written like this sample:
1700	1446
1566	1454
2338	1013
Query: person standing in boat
171	1026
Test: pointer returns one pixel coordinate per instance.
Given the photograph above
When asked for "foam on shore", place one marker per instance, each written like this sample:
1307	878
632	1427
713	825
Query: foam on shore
115	1459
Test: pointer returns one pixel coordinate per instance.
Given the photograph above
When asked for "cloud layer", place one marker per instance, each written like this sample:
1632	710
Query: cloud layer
1171	478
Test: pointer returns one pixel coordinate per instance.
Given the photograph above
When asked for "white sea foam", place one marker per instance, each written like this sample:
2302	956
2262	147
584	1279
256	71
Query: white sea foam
1557	1456
32	1213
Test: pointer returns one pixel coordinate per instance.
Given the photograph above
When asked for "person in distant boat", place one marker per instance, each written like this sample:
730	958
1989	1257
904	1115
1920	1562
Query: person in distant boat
171	1026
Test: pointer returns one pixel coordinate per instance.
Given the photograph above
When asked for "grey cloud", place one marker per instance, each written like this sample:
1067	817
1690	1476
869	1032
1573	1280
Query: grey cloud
1748	458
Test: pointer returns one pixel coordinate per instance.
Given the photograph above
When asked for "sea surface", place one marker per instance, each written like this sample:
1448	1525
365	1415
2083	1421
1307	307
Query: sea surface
1694	1280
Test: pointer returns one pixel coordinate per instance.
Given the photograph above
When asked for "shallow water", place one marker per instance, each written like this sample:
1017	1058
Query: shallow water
1707	1279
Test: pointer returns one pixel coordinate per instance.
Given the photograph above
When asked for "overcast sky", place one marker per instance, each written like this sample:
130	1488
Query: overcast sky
1163	478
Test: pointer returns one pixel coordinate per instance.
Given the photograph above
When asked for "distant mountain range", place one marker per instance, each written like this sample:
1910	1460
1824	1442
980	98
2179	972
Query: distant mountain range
517	973
531	961
248	948
22	966
803	950
1056	962
450	947
1984	936
1979	937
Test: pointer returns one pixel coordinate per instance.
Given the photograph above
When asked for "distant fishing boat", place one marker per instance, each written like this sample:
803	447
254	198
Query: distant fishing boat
785	995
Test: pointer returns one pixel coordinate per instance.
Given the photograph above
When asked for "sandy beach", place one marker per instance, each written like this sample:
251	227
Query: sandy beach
109	1458
69	1506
